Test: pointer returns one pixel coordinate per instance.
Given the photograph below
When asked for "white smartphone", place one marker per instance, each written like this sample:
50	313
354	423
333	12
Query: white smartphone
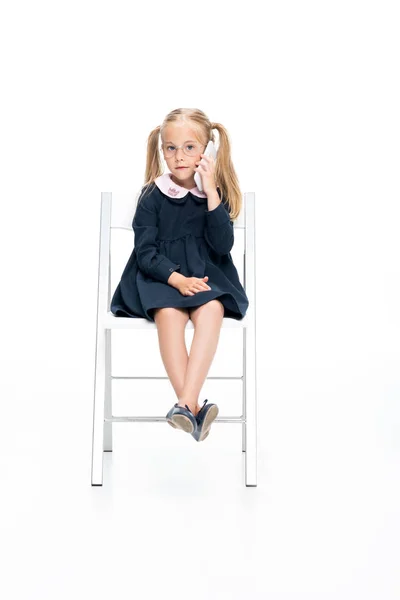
209	151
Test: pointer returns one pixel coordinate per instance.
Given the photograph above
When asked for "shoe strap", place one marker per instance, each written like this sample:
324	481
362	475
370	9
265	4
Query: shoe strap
204	403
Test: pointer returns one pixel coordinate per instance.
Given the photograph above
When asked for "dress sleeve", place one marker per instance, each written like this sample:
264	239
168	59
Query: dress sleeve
219	229
145	227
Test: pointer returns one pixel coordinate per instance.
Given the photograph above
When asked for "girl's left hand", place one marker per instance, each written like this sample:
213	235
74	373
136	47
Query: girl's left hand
206	171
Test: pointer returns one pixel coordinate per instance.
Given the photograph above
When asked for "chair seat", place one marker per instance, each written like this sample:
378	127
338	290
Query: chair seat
112	322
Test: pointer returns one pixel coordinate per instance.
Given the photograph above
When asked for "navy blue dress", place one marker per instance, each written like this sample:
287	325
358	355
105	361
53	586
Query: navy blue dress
175	231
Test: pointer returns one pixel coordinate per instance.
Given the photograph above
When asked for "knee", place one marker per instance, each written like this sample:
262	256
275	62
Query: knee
214	308
164	311
170	312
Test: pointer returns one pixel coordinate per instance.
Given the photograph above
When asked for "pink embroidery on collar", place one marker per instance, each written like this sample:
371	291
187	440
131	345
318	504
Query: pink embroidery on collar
173	191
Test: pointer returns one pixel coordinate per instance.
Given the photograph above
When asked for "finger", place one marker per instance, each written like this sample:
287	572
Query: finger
203	285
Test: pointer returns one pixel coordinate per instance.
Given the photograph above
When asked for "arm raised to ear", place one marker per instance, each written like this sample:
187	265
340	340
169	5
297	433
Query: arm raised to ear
219	229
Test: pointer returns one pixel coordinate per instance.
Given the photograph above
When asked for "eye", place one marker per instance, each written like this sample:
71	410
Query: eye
190	146
168	147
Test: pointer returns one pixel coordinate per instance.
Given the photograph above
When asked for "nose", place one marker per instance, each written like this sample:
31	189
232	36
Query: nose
181	152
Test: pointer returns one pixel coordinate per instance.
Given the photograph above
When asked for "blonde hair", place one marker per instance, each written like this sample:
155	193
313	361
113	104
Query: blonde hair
225	176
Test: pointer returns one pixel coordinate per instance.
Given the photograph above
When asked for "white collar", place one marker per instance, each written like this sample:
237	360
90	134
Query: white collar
173	190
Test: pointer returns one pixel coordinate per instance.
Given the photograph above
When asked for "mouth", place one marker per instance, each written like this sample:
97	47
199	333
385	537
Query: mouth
181	167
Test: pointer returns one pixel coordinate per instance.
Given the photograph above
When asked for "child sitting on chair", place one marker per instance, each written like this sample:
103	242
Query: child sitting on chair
181	267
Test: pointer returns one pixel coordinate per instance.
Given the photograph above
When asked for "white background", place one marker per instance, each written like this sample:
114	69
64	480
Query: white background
309	92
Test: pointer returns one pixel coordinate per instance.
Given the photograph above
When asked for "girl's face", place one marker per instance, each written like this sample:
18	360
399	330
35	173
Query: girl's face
179	163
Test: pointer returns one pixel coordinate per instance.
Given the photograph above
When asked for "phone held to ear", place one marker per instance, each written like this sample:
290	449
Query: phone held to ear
209	151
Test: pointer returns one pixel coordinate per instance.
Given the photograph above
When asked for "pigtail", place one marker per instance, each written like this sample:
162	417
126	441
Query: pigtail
225	174
154	166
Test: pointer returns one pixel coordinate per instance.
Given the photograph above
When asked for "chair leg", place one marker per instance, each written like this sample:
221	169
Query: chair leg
108	395
251	408
98	407
244	392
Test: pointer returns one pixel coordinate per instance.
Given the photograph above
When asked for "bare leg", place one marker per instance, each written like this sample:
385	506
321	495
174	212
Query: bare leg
207	320
171	323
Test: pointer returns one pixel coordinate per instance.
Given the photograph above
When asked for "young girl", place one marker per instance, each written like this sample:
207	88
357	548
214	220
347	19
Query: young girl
181	267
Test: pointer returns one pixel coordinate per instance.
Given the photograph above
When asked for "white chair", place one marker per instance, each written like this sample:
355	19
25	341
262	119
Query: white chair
117	211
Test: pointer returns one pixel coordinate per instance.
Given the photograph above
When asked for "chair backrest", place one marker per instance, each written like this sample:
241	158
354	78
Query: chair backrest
117	212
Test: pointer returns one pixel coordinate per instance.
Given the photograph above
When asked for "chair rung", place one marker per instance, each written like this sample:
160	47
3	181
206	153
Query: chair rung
163	419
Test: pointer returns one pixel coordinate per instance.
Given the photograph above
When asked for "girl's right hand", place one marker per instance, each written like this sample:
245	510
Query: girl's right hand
191	285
